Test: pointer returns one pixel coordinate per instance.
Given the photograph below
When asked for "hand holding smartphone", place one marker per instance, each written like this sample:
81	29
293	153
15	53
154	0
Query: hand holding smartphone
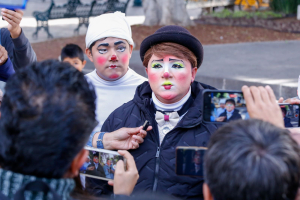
220	106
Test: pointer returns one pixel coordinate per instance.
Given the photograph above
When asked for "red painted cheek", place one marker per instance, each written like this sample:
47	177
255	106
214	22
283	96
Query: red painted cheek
101	60
125	59
183	78
114	76
153	77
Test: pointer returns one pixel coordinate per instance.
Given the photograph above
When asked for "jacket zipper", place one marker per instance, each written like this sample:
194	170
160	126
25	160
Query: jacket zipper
156	169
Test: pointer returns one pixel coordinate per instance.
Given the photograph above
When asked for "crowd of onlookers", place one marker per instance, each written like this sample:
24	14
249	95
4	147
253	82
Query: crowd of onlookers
50	111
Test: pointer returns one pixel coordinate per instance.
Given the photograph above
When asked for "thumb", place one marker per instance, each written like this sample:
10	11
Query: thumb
280	100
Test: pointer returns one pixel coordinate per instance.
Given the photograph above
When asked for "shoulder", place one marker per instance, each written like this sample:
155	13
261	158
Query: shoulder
137	76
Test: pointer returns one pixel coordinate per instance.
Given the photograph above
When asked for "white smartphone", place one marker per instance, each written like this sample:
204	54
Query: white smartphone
101	163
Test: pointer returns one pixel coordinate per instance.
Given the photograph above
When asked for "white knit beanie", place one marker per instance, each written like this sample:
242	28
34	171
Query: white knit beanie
109	25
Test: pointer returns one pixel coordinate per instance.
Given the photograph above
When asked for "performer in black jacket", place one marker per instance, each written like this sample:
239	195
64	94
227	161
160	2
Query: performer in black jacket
230	112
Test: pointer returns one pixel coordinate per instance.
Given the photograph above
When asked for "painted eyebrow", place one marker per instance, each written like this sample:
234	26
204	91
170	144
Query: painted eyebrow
103	44
175	60
157	60
119	42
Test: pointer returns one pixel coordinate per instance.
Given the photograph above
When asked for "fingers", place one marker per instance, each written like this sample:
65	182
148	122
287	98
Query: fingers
16	15
280	100
134	145
129	159
135	131
265	96
138	130
272	97
111	182
248	96
120	166
138	139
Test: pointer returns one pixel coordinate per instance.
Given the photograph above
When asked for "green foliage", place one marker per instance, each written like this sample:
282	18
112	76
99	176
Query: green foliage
238	14
285	6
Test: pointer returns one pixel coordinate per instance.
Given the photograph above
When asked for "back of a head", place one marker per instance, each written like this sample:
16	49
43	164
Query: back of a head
252	159
47	115
72	51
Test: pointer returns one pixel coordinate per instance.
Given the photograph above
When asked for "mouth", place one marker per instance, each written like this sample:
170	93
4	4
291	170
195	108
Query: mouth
167	85
113	66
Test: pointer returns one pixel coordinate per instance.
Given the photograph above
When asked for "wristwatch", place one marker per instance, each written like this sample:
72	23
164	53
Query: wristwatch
100	141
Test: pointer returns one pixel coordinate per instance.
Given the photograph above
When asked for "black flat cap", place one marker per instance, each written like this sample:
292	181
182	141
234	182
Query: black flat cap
175	34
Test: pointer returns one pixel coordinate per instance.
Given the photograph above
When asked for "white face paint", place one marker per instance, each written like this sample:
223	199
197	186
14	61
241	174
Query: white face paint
170	77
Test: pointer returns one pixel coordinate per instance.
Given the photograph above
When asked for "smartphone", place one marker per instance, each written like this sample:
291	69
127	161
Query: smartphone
220	106
223	106
13	4
100	163
189	161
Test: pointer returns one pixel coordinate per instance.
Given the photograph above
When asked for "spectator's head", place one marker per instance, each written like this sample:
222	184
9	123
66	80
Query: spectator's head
172	57
222	103
251	159
73	54
108	162
49	110
230	105
96	159
109	45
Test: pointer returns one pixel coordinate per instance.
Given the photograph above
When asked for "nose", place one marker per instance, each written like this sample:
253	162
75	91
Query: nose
166	75
113	58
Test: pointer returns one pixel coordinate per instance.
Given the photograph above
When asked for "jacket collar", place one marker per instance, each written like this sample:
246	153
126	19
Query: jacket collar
11	182
194	115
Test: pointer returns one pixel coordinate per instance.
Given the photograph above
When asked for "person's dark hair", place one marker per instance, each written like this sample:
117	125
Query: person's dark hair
72	51
47	115
252	159
230	101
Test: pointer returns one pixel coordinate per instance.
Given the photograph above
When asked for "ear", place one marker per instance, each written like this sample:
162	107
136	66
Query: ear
77	163
194	72
83	64
130	50
206	192
146	68
89	54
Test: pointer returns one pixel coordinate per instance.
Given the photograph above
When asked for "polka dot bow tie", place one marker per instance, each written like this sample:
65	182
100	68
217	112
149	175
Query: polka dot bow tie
171	117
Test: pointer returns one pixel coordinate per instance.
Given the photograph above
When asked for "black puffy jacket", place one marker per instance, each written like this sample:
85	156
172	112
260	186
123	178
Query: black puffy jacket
156	163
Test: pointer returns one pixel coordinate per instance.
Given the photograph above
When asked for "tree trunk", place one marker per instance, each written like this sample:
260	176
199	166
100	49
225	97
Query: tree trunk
166	12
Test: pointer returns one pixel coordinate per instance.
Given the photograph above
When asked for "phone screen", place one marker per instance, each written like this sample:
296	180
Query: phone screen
100	164
224	106
189	161
290	114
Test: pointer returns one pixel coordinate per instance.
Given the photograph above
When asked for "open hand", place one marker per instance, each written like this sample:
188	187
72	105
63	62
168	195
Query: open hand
124	181
14	19
261	104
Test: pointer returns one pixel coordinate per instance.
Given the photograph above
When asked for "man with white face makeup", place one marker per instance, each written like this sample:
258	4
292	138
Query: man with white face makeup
171	101
109	46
